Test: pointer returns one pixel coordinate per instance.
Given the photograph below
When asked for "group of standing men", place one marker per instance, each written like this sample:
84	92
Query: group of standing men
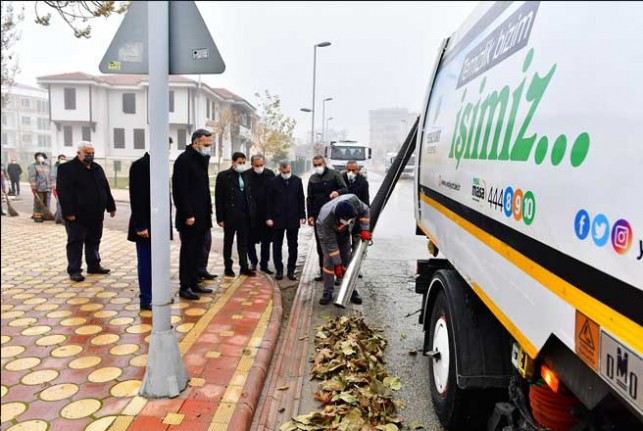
254	205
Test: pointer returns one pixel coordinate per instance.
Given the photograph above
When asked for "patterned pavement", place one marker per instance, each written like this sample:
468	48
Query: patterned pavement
73	354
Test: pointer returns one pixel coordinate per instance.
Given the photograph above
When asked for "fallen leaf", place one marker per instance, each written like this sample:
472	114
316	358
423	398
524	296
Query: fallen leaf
413	352
281	410
403	335
393	383
283	388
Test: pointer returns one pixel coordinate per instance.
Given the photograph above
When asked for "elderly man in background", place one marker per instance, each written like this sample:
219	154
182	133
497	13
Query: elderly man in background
84	195
257	179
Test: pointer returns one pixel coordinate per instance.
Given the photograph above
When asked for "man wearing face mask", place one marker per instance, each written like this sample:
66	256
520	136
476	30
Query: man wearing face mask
84	196
41	185
334	223
285	213
54	173
257	180
233	213
191	194
323	186
358	186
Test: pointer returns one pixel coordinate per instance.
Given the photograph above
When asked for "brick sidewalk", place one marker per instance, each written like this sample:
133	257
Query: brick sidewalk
73	354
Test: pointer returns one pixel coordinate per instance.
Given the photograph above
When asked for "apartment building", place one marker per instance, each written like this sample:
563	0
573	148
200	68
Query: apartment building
388	128
25	124
112	112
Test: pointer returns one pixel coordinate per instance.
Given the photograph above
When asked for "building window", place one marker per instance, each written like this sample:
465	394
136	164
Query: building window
42	105
139	139
207	108
44	140
4	120
68	137
25	103
43	123
182	139
213	111
70	99
171	101
129	103
27	139
86	133
26	121
119	138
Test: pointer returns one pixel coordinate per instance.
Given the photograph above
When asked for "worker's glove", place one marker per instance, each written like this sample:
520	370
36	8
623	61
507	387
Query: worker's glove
55	193
34	191
366	235
339	271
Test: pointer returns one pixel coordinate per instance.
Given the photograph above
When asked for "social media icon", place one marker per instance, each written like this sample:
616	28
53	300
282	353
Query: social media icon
600	230
622	236
582	224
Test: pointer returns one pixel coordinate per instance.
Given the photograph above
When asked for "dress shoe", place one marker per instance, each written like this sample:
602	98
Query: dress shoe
77	277
229	273
207	276
146	307
198	288
247	271
253	266
99	270
267	271
291	276
355	298
326	298
319	278
188	293
279	276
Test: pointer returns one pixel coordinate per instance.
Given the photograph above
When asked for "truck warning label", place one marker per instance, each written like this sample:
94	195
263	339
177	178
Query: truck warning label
622	369
587	338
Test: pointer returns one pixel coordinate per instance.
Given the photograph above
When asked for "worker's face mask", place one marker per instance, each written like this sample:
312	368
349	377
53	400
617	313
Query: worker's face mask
40	159
345	222
318	170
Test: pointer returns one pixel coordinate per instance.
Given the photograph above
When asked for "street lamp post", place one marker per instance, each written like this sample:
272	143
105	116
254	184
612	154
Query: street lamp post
328	99
326	124
312	127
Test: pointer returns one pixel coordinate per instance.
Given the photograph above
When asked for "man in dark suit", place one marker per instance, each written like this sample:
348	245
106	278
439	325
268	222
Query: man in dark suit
285	213
358	186
140	226
191	193
257	180
85	196
233	213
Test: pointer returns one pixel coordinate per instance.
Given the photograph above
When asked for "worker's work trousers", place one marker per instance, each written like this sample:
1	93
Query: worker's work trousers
328	269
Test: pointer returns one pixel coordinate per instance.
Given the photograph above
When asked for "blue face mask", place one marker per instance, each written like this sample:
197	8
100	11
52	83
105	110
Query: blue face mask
88	158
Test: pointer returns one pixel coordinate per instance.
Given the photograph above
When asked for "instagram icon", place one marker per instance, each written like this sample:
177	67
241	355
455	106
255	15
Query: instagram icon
621	236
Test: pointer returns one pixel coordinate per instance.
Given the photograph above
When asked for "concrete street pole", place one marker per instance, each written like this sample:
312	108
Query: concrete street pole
165	375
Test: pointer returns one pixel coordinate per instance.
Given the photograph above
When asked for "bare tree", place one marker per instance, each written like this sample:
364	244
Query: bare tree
10	35
273	133
72	11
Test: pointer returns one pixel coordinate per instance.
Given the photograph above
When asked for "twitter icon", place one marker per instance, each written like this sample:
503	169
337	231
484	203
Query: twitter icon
600	230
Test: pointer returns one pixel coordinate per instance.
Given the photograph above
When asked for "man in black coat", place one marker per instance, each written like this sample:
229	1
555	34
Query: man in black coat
285	213
233	213
323	186
257	180
140	226
84	195
358	186
14	170
191	193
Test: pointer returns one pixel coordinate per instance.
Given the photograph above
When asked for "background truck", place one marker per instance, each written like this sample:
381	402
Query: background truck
528	189
409	168
337	153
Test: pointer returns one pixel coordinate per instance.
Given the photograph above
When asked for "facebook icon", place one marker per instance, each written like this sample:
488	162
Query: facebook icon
582	224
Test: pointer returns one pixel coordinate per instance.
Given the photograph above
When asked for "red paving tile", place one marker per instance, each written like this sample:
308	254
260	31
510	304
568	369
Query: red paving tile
159	408
112	406
45	410
209	392
217	376
19	393
193	409
147	423
192	425
69	425
92	390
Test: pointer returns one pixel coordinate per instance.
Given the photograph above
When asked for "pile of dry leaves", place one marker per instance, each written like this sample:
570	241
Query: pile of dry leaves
355	391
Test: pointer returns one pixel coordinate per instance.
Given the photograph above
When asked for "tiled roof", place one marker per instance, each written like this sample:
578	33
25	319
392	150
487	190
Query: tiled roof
109	79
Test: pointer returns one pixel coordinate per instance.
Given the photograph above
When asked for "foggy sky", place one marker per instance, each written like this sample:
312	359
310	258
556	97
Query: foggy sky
380	57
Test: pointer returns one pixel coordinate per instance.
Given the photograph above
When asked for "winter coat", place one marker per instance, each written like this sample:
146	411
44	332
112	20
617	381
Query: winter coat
84	192
191	190
14	170
328	224
257	188
359	187
139	199
320	187
286	202
231	202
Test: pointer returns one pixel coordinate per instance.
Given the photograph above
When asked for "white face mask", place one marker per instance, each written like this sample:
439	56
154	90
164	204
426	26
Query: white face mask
40	159
205	151
286	176
345	222
318	170
351	176
258	171
240	168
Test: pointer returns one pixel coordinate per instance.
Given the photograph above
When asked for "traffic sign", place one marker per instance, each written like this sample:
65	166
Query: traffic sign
191	48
